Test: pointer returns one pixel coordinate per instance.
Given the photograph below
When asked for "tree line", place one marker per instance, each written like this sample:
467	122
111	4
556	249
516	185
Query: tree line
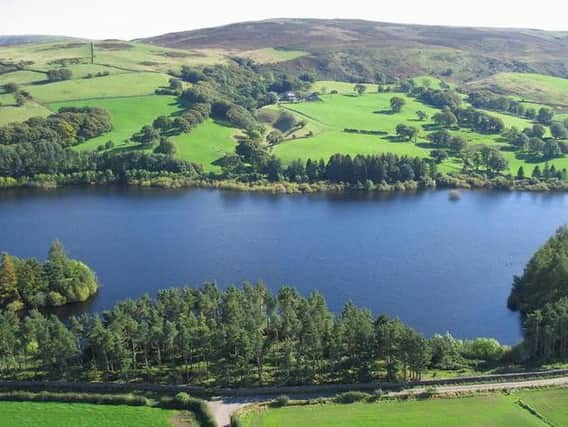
69	126
29	283
51	159
253	162
241	335
505	104
541	296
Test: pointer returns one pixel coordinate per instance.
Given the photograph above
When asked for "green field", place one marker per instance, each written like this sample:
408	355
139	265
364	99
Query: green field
491	410
33	414
22	77
131	56
324	86
128	115
551	403
529	87
270	55
10	113
328	119
137	70
118	85
206	143
368	112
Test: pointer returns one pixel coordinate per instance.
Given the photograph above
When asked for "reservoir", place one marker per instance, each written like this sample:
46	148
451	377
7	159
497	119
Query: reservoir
438	264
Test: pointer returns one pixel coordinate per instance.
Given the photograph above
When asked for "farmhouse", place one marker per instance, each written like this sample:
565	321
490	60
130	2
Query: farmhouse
313	97
290	97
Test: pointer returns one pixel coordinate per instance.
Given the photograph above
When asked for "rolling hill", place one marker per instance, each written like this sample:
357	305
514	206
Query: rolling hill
33	38
355	49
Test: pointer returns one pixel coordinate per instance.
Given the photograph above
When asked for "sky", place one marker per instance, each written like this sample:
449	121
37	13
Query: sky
128	19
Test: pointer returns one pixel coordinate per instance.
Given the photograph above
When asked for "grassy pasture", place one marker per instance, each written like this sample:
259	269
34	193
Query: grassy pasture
21	77
10	113
551	403
119	85
341	87
328	119
325	145
206	143
367	112
43	53
31	414
530	87
432	81
370	112
80	71
271	55
128	115
145	57
132	56
490	410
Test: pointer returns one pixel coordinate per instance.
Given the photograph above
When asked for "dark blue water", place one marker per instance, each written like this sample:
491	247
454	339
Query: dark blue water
436	264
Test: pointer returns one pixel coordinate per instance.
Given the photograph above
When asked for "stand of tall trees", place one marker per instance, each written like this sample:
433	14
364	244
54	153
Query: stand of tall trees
541	296
241	335
27	283
254	162
70	126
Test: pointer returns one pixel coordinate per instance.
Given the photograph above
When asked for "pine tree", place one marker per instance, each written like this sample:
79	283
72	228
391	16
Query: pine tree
56	265
8	280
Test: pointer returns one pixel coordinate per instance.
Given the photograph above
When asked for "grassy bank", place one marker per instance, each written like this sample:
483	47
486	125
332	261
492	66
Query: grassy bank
56	414
497	409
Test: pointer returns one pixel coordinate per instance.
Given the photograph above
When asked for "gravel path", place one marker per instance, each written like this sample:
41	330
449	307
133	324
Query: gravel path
223	407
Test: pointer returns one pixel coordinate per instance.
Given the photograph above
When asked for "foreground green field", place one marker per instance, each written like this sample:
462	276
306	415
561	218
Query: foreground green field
489	410
50	414
552	404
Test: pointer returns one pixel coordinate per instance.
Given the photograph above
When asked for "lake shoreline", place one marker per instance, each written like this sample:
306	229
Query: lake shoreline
174	182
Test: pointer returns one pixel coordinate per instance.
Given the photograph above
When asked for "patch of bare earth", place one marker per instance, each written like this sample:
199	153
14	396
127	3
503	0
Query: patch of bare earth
183	419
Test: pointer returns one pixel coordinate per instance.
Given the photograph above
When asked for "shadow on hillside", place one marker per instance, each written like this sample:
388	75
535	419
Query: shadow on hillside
432	127
425	145
385	112
128	148
534	158
509	149
43	82
394	138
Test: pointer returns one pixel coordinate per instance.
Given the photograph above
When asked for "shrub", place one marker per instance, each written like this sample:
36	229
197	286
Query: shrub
285	121
378	393
352	396
236	422
197	406
183	398
281	401
94	398
428	392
